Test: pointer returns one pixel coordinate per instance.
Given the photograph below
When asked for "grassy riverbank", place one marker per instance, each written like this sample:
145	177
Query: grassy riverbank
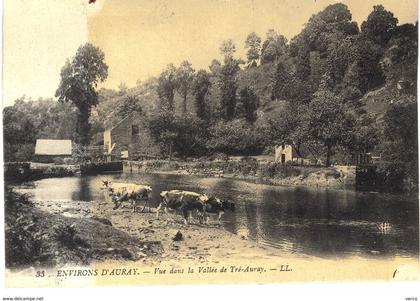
37	237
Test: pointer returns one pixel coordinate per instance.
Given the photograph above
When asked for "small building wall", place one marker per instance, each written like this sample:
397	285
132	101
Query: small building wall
283	153
107	140
49	158
131	136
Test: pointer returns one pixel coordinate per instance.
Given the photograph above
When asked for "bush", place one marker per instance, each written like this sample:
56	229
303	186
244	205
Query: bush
278	170
58	161
235	138
391	176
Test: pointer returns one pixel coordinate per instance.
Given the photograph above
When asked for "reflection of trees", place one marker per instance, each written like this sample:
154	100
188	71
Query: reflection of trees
82	192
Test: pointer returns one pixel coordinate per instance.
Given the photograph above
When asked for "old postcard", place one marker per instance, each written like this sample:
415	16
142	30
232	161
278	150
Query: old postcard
209	142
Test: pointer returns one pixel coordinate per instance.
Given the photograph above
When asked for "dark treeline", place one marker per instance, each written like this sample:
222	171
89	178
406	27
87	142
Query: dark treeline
336	90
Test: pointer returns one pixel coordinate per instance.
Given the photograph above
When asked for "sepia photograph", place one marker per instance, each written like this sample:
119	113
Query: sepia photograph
209	142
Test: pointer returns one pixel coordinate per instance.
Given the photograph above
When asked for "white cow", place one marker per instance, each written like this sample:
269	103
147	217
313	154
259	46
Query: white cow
128	192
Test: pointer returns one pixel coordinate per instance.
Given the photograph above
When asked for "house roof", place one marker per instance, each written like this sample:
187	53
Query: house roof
52	147
120	121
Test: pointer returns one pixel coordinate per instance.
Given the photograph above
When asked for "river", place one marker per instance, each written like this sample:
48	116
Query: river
308	221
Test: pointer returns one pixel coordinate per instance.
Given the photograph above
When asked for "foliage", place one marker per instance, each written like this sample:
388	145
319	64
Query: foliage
227	49
184	134
79	79
200	88
327	122
249	104
253	44
235	138
366	135
281	82
400	133
400	59
368	70
166	87
379	25
228	87
273	47
28	120
183	78
129	105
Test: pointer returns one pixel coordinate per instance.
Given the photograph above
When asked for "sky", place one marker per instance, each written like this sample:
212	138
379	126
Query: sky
140	37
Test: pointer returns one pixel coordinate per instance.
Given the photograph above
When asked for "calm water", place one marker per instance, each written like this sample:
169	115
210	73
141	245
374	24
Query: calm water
316	222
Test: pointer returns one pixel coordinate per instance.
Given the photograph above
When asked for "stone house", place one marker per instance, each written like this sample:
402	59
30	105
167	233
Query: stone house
283	153
129	139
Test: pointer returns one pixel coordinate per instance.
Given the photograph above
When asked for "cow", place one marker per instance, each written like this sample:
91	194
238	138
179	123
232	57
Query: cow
183	201
216	206
128	192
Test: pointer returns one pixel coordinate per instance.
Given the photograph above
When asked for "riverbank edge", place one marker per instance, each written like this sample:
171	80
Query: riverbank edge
337	177
36	238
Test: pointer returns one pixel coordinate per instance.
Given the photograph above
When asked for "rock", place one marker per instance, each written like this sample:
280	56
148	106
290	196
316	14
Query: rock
178	236
147	230
102	220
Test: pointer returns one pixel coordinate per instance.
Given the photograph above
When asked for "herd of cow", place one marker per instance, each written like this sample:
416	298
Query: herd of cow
185	202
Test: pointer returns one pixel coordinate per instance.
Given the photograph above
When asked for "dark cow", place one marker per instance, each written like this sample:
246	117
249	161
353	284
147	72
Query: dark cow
216	206
183	201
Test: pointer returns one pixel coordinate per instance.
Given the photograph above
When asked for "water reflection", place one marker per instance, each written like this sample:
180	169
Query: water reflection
318	222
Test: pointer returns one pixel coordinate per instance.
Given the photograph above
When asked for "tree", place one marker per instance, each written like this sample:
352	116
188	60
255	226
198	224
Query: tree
184	76
399	61
215	68
200	88
79	80
366	134
281	82
339	57
184	134
400	129
166	87
273	47
227	49
122	88
162	128
228	87
332	25
236	137
129	105
28	120
290	125
327	122
379	25
367	56
400	147
253	44
250	104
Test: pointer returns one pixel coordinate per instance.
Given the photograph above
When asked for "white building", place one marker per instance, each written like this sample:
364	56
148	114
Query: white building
283	153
